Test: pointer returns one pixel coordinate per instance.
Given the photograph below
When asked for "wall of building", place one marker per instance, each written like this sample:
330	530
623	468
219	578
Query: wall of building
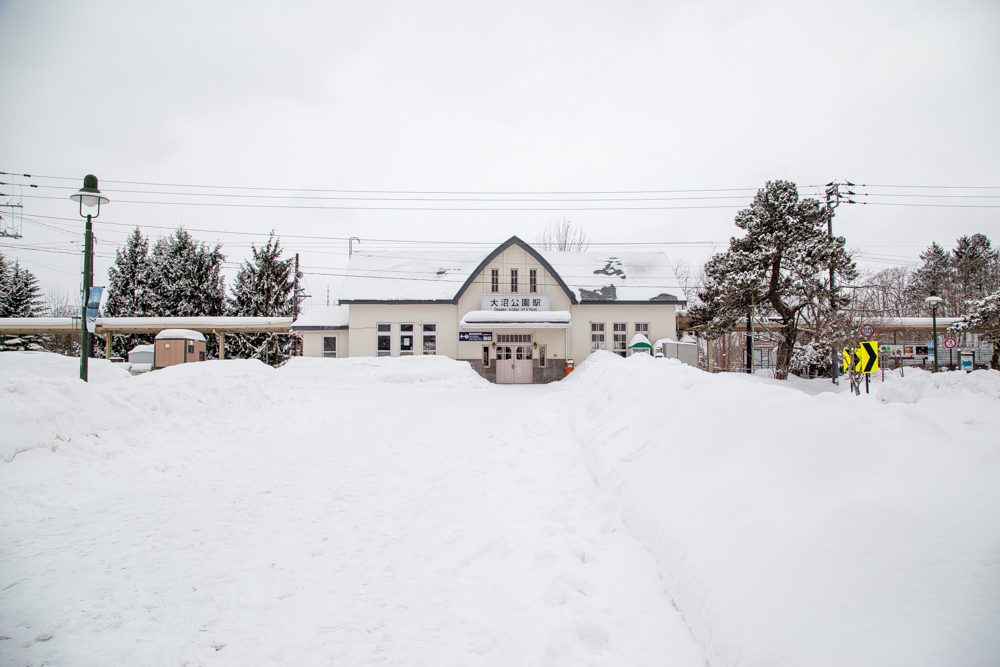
312	342
660	317
365	317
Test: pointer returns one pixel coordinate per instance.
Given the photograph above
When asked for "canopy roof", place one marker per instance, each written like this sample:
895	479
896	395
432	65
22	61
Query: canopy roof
516	319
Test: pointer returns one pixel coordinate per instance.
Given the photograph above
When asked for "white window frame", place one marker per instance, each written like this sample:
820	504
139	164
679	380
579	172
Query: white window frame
513	281
533	281
597	342
413	339
494	281
644	330
426	334
379	334
619	338
336	347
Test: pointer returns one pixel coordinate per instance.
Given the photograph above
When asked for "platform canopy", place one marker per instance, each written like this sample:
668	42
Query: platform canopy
516	319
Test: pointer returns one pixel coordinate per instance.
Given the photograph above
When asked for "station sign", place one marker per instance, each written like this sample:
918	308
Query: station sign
529	302
475	336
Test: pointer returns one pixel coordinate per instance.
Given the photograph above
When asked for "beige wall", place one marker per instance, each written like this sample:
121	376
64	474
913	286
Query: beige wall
364	317
312	342
661	318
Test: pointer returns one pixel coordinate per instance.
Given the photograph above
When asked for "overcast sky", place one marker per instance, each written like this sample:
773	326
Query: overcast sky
463	97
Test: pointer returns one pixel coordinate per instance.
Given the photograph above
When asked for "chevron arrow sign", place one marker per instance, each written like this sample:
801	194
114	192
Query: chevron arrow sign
864	359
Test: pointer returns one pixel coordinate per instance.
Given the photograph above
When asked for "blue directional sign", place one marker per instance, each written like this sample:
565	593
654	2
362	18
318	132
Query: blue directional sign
476	336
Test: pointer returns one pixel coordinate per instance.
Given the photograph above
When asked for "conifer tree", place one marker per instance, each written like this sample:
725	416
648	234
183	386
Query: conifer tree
264	287
936	274
19	297
185	280
780	267
974	262
129	290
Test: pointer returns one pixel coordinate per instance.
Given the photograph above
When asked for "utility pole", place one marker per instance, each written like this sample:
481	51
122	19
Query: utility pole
833	199
750	342
295	305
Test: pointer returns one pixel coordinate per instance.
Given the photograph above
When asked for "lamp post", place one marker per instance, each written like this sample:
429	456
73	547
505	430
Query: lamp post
90	197
933	300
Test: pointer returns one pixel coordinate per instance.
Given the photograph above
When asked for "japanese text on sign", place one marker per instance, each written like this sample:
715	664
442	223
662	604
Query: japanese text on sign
514	302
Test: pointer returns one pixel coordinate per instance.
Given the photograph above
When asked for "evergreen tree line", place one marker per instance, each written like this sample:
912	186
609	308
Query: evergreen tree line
181	277
19	297
177	277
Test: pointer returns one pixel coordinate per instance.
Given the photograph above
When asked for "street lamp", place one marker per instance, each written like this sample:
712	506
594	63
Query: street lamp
933	300
90	197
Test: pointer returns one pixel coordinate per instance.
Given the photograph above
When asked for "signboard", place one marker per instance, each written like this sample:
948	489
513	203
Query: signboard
864	359
950	343
968	361
475	336
93	304
867	331
514	302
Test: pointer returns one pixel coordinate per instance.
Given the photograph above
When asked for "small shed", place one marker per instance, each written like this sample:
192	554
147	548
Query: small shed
141	354
178	346
324	331
640	345
686	350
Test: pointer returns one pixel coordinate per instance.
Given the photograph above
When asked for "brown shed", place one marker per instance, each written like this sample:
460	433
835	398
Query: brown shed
178	346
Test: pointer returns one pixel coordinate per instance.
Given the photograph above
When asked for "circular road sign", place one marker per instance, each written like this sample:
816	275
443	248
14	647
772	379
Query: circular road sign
867	330
950	343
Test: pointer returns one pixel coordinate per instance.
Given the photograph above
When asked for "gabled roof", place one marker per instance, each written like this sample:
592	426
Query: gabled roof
442	276
513	240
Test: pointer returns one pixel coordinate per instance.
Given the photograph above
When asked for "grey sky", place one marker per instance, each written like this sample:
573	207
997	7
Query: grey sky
527	97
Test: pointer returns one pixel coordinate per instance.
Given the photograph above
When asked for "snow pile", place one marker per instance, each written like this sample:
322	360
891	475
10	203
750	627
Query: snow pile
918	383
48	364
61	414
373	371
786	541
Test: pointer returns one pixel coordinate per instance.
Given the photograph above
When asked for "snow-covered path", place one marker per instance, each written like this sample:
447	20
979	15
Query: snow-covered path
362	522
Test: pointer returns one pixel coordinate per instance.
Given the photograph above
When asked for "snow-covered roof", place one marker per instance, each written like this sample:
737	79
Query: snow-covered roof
516	319
322	318
397	275
639	340
180	334
617	276
143	348
440	275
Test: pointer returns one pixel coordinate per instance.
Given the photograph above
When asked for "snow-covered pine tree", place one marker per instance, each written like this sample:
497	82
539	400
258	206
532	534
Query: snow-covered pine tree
19	297
984	314
129	293
974	262
936	273
264	287
185	280
781	265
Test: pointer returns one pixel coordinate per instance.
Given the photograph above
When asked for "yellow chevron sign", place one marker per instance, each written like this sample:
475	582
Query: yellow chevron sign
864	358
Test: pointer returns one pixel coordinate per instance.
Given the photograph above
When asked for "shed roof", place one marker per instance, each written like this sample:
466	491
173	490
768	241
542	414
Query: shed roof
180	334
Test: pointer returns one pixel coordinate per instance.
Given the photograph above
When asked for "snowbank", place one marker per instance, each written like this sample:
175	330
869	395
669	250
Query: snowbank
375	371
785	540
48	364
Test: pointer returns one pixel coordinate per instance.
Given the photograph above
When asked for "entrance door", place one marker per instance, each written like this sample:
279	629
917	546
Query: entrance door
523	369
505	364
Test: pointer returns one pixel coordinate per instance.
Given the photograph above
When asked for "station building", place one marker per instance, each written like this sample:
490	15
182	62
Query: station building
516	314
